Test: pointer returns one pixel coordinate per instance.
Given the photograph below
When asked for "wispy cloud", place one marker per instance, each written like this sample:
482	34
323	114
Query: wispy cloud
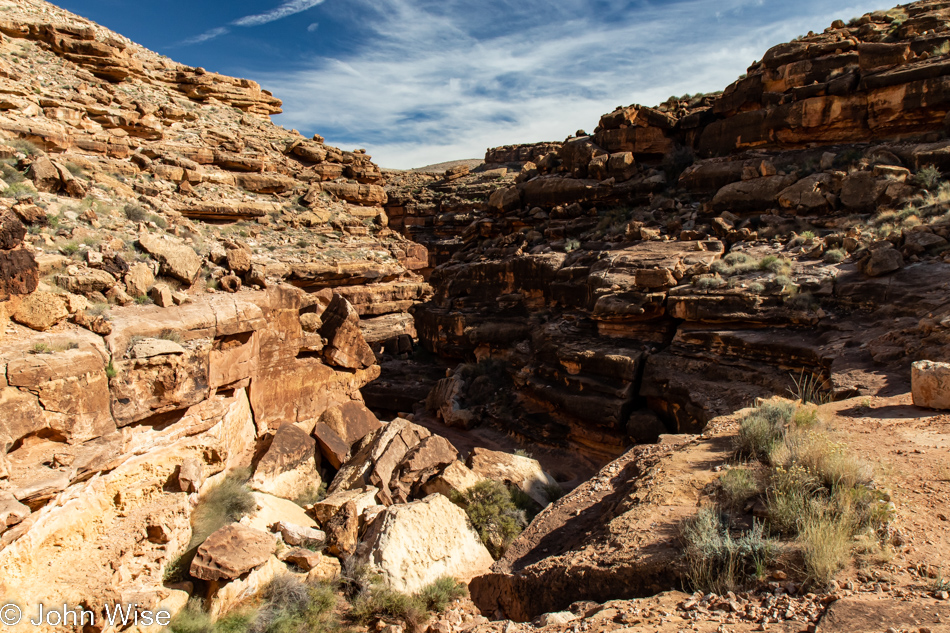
441	80
207	35
287	9
291	7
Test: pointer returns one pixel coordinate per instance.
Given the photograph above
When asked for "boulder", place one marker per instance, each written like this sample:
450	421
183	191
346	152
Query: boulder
332	447
176	260
230	283
11	511
139	280
86	281
930	384
375	463
238	260
351	421
289	467
191	475
454	478
414	544
523	472
343	531
152	347
346	346
324	510
161	294
41	311
272	511
328	568
231	552
294	534
238	591
19	273
305	559
421	464
12	231
44	175
883	261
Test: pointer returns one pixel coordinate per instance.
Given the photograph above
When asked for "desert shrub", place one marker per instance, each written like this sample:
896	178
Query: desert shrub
571	245
192	619
383	602
111	371
99	309
10	174
170	335
496	518
135	213
809	388
789	497
75	169
41	348
738	486
825	540
761	429
19	190
774	264
312	495
717	562
834	256
223	503
928	177
24	146
438	595
709	283
800	301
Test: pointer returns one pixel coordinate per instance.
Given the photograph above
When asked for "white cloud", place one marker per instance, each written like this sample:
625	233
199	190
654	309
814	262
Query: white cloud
291	7
442	80
288	8
313	27
207	35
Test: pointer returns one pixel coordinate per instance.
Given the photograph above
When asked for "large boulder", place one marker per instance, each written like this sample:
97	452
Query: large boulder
420	465
12	231
41	311
289	467
19	273
343	531
883	261
379	458
346	346
930	384
85	281
414	544
342	426
515	470
176	260
231	552
455	478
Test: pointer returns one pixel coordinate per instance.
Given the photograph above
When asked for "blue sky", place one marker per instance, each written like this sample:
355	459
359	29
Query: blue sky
423	81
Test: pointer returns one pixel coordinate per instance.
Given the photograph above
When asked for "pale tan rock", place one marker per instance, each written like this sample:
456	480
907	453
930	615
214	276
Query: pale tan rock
85	281
324	510
305	559
289	467
11	511
41	310
455	478
299	535
930	384
161	294
152	347
516	470
328	568
232	551
191	475
238	591
176	260
273	510
412	545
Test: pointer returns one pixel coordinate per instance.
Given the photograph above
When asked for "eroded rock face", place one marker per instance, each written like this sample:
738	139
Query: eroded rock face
346	346
177	260
451	547
523	472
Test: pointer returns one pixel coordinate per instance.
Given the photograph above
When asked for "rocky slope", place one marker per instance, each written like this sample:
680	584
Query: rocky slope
681	260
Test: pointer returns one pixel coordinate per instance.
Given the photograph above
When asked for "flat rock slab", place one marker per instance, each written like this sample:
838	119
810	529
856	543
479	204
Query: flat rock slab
147	348
231	552
859	614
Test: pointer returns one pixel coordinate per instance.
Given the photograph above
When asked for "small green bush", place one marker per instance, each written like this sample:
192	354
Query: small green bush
111	371
496	518
825	540
761	429
382	602
834	256
789	497
24	146
170	335
718	563
553	492
928	177
738	486
224	503
192	619
438	595
19	190
135	213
